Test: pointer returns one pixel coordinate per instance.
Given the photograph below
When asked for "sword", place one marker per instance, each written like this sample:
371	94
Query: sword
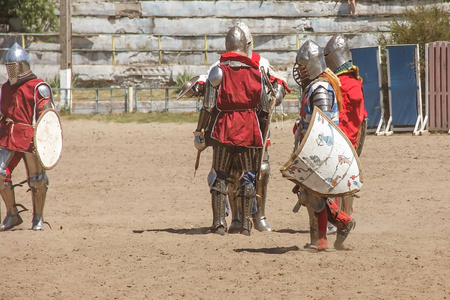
361	137
272	106
197	162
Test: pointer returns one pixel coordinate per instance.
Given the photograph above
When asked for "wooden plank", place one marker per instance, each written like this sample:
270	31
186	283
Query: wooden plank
431	86
439	85
446	83
437	75
66	35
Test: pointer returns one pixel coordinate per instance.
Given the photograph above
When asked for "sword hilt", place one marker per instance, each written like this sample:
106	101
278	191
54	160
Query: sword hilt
201	135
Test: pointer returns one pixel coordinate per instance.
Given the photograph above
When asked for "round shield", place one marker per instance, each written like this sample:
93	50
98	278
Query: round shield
48	139
186	89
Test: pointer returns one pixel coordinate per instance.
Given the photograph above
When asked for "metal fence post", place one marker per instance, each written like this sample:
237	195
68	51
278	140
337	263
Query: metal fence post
111	100
151	99
96	100
159	51
136	99
167	100
126	108
206	50
113	44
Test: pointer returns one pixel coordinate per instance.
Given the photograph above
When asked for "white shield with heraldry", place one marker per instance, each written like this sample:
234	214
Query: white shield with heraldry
48	139
325	163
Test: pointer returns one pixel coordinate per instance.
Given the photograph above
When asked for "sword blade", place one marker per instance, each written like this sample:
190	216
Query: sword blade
197	162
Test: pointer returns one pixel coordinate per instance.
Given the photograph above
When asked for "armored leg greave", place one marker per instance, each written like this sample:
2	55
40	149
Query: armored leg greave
318	228
347	204
313	227
218	186
38	194
38	183
7	192
12	215
259	219
317	219
246	162
219	200
337	216
342	234
342	221
322	219
235	205
248	193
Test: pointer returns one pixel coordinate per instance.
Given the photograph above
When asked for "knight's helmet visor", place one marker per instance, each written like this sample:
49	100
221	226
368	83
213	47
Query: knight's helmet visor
17	63
310	56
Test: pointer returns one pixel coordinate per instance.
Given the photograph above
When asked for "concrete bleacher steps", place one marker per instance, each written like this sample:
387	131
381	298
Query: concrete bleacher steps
148	43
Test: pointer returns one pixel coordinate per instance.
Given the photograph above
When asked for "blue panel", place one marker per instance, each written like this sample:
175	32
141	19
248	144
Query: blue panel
403	84
366	59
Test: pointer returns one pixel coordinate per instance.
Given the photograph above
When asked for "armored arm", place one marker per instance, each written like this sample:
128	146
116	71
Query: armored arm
43	98
321	98
280	92
299	132
266	102
274	78
199	134
209	104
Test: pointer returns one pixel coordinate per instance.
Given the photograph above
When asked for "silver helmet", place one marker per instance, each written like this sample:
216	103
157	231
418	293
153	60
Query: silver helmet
17	63
337	52
236	41
248	36
310	62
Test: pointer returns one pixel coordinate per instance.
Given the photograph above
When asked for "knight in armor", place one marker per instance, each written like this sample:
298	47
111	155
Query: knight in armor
196	87
353	115
235	131
320	88
24	97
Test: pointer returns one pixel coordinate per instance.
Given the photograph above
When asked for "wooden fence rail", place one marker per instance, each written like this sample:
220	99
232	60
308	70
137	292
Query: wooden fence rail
438	85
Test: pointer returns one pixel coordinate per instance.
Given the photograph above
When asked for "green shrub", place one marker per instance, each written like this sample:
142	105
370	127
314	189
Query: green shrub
55	83
182	78
36	16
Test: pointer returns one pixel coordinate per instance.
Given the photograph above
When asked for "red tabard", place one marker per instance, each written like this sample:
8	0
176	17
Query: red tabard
353	112
18	109
239	94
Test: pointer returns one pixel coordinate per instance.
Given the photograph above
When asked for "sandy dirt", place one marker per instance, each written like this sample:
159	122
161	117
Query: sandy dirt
129	221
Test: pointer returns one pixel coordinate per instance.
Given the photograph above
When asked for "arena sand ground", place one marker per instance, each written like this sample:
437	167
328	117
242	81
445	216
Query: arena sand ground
129	221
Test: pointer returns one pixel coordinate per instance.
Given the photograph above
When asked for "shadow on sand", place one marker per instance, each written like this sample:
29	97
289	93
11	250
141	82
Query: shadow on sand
291	231
191	231
205	230
276	250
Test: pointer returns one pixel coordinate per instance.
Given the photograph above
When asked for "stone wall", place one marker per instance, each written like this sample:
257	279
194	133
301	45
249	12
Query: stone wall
149	43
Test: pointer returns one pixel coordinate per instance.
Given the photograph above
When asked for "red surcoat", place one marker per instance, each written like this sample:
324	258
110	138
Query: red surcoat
18	108
353	111
239	95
